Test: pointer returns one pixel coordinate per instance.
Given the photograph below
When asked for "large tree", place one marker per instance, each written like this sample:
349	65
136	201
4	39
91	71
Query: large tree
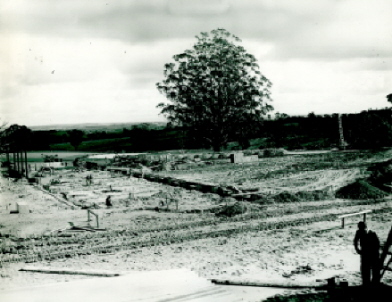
215	89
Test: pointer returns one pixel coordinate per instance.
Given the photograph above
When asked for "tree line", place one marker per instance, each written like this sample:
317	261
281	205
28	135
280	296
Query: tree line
366	130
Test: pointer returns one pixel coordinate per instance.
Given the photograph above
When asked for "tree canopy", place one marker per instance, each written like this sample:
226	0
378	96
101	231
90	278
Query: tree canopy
15	137
215	89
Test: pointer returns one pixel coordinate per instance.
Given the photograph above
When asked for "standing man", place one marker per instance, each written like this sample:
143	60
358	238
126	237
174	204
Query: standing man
367	244
109	201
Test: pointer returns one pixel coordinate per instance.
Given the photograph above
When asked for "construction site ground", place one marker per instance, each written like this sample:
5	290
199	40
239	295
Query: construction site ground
283	242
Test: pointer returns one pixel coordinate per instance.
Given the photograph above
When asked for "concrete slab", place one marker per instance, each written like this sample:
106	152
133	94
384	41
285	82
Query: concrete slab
22	208
160	286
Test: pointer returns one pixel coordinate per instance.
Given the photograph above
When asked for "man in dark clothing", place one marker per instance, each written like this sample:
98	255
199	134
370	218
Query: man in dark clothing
109	201
367	244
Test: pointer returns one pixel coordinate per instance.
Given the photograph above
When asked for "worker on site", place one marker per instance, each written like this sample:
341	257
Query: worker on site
109	201
367	245
89	180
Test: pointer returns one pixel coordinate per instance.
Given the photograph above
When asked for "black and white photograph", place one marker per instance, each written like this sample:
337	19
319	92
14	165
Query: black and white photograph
201	151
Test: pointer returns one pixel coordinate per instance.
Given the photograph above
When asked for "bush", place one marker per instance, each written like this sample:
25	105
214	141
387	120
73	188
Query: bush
273	152
302	196
286	197
232	210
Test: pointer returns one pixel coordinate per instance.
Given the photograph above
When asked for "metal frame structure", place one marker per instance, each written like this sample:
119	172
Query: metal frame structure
19	163
15	149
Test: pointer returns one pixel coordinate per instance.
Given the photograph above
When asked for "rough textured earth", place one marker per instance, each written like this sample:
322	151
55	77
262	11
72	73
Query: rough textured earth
297	241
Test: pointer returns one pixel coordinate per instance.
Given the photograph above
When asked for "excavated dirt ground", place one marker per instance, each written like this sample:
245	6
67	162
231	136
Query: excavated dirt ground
303	241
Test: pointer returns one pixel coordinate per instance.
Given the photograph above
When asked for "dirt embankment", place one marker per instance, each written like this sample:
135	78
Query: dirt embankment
381	175
377	185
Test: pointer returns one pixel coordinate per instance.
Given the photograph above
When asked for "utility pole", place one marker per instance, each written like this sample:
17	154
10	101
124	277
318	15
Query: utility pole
342	143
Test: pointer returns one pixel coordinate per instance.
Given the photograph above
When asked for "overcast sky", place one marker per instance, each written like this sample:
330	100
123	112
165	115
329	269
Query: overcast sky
79	61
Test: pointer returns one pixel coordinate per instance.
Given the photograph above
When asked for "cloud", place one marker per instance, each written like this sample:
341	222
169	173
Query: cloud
320	29
99	60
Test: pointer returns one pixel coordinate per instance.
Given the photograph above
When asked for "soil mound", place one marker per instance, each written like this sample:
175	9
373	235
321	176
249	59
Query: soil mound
360	189
301	196
381	175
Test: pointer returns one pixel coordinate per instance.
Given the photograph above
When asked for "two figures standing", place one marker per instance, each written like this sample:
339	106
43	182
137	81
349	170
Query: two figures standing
367	244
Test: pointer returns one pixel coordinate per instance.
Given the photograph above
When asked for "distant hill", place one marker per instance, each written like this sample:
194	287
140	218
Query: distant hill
96	126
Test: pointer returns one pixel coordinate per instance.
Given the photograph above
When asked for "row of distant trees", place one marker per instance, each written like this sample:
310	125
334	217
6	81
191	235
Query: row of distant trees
22	137
365	130
41	140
